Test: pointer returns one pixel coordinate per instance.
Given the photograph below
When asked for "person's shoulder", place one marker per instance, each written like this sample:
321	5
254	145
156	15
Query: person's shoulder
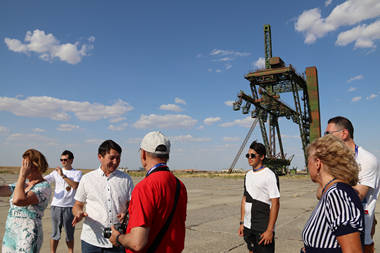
365	155
76	171
338	190
91	173
122	174
269	172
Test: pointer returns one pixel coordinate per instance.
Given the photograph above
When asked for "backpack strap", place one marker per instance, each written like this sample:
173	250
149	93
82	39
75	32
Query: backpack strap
152	248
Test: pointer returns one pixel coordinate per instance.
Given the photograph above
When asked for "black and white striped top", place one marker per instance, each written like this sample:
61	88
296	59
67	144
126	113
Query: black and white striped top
339	212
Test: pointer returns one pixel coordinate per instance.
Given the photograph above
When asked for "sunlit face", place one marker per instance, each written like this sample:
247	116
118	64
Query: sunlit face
254	162
110	161
66	162
334	130
312	166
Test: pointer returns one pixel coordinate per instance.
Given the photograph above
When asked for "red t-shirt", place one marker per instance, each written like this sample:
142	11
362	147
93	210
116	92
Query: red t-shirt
151	204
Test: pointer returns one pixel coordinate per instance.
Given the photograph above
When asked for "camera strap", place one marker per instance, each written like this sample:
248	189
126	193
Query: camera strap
163	230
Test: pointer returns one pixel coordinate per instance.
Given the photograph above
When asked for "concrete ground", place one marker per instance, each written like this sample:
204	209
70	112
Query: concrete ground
213	215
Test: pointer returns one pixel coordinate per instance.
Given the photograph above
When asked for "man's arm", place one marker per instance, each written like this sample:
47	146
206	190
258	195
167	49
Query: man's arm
362	190
121	215
70	182
267	236
135	240
78	212
242	213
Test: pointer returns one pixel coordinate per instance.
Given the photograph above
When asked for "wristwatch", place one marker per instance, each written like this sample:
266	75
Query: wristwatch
241	222
64	176
117	240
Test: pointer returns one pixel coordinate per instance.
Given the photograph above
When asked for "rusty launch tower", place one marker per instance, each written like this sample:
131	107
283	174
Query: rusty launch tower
266	86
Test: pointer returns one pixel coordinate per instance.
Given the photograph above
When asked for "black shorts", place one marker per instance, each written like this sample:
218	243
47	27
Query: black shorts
252	238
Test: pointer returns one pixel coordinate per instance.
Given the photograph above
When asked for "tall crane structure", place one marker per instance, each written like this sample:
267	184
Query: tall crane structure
266	86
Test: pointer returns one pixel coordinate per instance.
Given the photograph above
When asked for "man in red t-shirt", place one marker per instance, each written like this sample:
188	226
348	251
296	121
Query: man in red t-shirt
152	203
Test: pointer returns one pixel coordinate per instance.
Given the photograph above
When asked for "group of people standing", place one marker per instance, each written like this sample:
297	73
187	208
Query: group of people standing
151	217
348	179
118	217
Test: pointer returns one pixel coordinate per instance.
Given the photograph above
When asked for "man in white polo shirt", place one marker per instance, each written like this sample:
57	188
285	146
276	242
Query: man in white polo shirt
106	193
66	181
369	174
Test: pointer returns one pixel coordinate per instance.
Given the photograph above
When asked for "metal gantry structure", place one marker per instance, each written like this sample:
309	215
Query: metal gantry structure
266	86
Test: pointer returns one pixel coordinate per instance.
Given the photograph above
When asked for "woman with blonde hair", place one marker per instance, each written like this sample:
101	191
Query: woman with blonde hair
337	222
28	200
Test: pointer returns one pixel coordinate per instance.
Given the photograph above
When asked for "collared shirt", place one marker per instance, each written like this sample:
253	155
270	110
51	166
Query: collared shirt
105	198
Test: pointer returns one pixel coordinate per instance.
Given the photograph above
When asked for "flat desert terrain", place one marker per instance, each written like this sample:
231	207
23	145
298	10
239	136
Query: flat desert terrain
213	214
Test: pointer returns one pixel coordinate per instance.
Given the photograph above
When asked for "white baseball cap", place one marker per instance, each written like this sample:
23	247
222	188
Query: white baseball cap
154	139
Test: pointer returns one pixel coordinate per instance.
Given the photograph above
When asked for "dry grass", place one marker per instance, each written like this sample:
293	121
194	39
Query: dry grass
134	173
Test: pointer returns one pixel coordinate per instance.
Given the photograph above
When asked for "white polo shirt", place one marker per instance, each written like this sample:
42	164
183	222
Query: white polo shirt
369	173
105	197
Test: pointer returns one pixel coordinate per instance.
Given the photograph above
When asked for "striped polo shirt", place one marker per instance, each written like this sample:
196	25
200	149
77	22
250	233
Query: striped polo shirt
339	212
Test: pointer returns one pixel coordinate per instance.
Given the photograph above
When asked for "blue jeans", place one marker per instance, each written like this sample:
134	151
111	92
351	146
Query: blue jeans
89	248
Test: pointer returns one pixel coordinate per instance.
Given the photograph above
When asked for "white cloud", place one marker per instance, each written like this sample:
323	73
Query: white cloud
355	99
328	2
211	120
246	122
3	130
38	130
178	100
48	47
231	139
372	96
58	109
225	57
351	89
188	138
260	63
221	52
118	128
171	107
165	121
358	77
30	139
229	103
94	141
363	35
115	120
348	13
67	127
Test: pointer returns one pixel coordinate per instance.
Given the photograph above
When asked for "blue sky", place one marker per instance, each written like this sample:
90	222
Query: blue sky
74	73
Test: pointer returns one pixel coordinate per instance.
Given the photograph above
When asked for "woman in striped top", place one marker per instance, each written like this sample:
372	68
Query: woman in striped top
337	222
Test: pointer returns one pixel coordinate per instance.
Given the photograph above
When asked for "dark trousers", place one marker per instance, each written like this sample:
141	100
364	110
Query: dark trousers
89	248
252	238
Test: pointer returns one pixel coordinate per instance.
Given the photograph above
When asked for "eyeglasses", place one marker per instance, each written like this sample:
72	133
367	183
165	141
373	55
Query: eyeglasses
252	155
330	132
64	160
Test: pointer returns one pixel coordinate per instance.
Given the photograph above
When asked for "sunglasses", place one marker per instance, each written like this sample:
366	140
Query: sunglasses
330	132
252	155
64	160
